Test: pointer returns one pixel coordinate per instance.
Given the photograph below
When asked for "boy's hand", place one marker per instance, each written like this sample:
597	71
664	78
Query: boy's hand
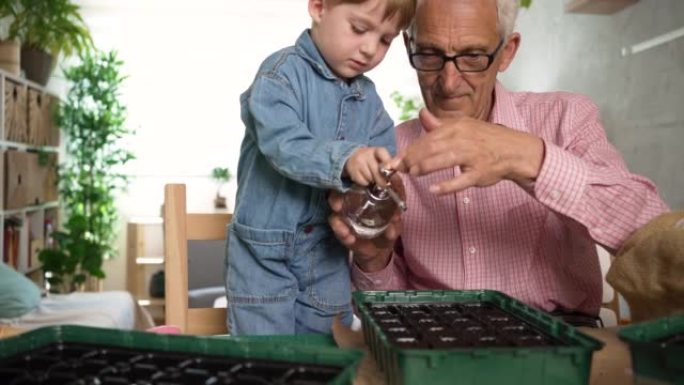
363	166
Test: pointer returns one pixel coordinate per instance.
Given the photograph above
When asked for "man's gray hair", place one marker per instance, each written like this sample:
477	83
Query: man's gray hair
507	13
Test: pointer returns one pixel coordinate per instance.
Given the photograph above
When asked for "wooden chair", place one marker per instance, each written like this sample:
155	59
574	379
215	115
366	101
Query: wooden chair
179	228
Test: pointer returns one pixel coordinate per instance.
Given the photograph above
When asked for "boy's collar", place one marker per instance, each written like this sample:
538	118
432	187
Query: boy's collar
307	49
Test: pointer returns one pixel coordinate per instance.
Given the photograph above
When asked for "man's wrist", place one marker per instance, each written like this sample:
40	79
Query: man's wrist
529	159
373	264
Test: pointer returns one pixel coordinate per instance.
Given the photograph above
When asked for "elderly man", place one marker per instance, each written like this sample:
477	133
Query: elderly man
506	191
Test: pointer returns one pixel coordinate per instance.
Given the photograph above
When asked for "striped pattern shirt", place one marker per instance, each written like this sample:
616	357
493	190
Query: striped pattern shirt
535	243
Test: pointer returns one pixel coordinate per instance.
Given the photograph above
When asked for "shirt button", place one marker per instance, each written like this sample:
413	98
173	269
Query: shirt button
466	200
472	250
308	229
555	194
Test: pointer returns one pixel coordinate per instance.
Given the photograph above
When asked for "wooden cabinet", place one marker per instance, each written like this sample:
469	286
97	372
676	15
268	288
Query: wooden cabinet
29	154
144	258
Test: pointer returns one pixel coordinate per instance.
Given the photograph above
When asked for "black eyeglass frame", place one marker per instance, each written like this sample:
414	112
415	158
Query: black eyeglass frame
446	58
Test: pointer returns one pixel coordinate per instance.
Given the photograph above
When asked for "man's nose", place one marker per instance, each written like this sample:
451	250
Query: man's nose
450	76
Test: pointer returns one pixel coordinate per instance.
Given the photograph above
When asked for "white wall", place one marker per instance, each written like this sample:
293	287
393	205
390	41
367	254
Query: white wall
640	96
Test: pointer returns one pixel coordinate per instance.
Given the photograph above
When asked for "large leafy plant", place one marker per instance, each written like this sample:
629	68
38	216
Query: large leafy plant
92	119
53	26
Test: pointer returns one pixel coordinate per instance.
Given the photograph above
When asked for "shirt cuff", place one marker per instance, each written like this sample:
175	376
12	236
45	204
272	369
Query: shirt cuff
378	280
562	179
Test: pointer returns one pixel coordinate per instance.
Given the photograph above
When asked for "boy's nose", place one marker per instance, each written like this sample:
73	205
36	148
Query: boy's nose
369	47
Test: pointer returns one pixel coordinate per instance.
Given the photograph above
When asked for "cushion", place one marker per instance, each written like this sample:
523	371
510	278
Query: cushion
648	269
18	294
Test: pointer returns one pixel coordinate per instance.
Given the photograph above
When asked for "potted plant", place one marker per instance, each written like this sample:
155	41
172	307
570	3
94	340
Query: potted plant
46	30
92	119
9	48
220	175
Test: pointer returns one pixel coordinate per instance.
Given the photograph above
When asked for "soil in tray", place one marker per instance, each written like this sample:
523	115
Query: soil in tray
79	364
673	340
455	325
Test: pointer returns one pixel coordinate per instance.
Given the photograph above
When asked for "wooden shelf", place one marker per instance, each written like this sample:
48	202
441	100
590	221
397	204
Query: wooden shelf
602	7
29	202
145	256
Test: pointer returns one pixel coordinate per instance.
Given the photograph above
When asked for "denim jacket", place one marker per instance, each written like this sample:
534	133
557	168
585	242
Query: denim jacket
301	125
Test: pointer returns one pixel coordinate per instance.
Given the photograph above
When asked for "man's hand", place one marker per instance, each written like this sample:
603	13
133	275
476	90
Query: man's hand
486	153
369	254
363	166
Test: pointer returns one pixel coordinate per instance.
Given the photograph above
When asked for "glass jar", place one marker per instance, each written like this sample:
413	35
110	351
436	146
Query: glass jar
368	210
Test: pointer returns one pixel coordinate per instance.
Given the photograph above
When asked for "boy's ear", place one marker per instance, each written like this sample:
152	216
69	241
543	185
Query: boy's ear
316	8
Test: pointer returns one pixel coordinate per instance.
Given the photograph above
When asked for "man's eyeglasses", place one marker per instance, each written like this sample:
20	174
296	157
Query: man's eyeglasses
465	62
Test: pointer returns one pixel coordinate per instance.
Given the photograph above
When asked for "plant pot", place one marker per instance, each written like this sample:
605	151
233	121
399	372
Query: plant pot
220	202
37	64
10	56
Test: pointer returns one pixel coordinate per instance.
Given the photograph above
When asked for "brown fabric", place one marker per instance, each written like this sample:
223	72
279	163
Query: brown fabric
649	269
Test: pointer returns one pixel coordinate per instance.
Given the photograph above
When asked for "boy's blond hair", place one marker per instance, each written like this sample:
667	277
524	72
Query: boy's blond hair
405	8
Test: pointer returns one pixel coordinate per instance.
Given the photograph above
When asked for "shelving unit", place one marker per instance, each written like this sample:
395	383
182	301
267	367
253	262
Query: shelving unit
29	154
145	256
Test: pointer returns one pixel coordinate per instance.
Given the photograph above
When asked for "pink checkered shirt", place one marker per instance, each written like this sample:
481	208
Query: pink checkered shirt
536	243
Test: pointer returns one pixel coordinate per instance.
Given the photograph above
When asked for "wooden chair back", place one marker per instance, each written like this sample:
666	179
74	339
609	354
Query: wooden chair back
179	228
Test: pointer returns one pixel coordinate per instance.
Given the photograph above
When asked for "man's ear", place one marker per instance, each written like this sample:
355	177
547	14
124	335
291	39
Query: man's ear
509	50
316	8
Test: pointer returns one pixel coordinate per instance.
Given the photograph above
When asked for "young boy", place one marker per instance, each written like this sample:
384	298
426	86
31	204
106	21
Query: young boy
313	122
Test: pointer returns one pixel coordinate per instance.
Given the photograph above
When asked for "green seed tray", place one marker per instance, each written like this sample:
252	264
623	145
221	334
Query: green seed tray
86	355
657	349
546	351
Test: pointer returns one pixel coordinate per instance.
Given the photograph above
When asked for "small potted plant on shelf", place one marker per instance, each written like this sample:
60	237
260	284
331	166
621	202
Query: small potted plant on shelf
220	175
48	29
9	48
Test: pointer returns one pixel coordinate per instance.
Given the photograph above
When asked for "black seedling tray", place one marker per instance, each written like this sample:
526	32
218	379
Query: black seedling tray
456	325
57	356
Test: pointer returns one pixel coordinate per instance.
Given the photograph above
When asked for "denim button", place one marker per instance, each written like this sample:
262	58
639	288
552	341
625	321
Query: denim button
308	229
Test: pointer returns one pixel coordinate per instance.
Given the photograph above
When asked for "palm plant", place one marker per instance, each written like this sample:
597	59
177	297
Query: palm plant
54	26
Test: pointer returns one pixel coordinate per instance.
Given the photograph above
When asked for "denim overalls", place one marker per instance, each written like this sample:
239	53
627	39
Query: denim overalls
286	273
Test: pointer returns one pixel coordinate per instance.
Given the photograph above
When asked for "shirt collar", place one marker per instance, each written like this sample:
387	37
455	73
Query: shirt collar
306	48
504	110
